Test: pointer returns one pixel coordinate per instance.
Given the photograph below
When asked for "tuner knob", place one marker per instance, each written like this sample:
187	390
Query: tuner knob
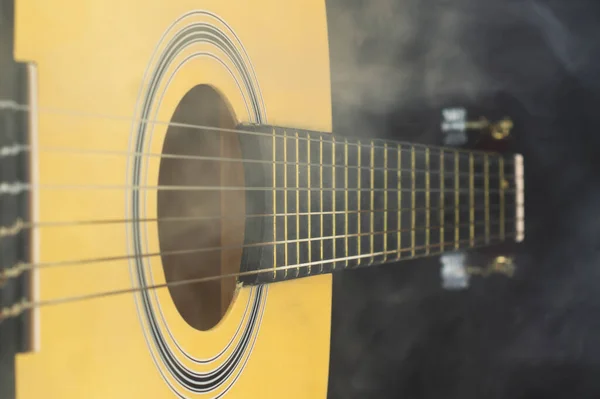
455	124
501	130
456	273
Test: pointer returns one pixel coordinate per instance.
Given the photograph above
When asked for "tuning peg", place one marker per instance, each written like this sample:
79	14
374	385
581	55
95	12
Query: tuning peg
456	274
455	124
501	129
499	265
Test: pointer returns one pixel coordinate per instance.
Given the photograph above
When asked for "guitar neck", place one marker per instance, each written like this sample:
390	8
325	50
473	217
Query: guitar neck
336	203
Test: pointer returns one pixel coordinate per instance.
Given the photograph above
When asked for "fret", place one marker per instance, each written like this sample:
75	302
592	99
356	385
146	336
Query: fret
333	196
346	198
303	222
285	200
274	167
372	204
412	202
456	201
471	200
399	182
427	203
321	197
385	200
309	207
486	173
502	185
297	159
359	197
442	189
328	194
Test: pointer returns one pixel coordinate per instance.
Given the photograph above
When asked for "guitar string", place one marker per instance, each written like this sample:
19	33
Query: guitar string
297	188
20	225
20	268
23	306
173	219
15	106
7	151
18	188
12	105
12	188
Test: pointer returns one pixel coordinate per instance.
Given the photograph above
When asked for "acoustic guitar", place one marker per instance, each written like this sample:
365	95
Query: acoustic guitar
173	204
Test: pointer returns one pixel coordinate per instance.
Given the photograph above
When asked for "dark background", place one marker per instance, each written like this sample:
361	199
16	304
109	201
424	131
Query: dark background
395	64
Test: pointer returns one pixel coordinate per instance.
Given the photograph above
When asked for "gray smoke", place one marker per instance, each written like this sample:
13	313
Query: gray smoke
417	54
395	332
395	54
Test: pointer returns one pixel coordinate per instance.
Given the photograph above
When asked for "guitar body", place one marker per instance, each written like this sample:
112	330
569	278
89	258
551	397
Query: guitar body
112	64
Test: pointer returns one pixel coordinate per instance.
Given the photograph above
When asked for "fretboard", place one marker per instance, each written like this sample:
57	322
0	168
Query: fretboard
331	203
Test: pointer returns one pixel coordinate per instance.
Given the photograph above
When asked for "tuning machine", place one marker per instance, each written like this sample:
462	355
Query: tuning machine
456	271
455	125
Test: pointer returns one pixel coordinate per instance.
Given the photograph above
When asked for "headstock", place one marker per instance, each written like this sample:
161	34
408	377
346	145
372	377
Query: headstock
466	130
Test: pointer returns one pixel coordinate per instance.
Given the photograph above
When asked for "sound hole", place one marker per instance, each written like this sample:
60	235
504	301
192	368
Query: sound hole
198	223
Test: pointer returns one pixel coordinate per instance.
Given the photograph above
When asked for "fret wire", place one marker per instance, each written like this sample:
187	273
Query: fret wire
456	202
501	166
399	184
427	204
372	203
346	197
471	197
298	204
486	165
274	205
285	200
309	217
321	196
442	216
358	194
385	197
413	197
333	194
